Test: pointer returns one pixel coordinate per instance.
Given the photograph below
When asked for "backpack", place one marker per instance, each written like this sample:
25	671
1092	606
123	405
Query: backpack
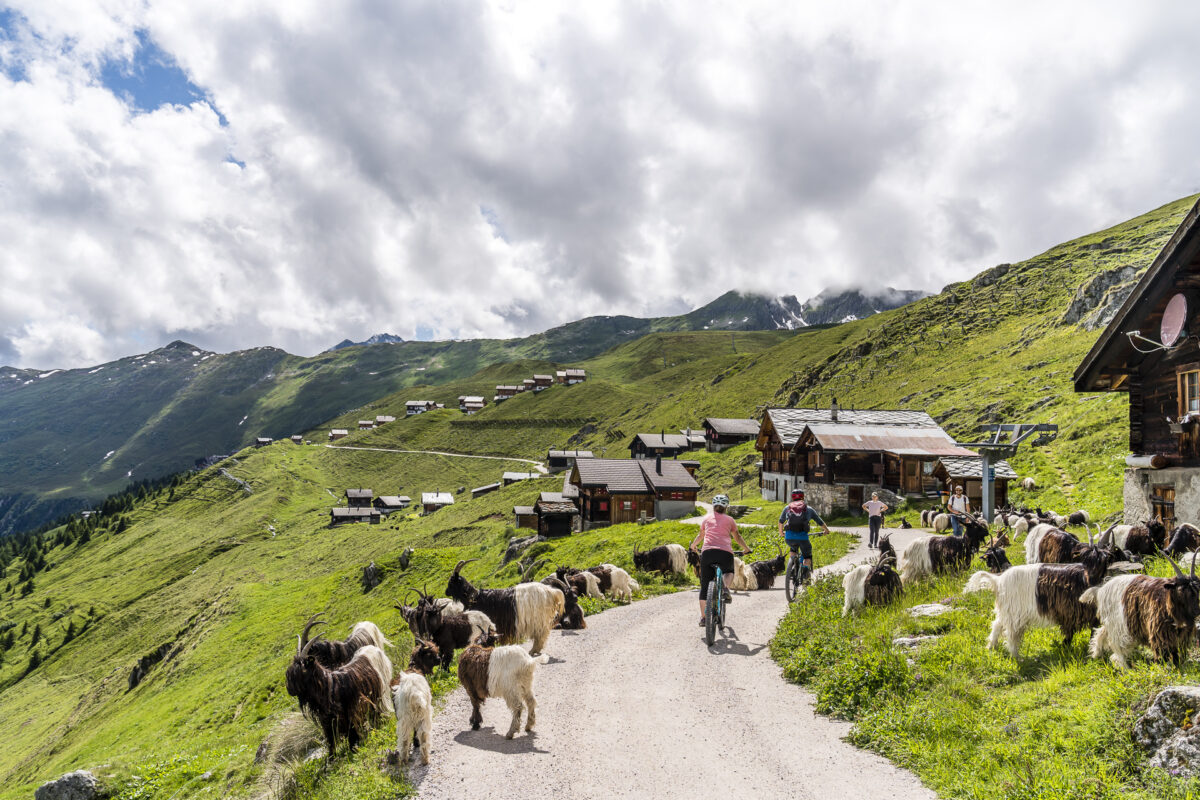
797	517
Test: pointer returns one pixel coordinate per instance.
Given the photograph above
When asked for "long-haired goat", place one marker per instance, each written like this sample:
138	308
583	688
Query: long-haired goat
413	701
524	611
447	627
1138	609
886	548
572	617
1037	595
604	576
766	571
583	582
1184	538
743	578
940	522
1080	517
488	671
334	654
1142	539
995	557
664	559
933	554
621	586
874	584
343	701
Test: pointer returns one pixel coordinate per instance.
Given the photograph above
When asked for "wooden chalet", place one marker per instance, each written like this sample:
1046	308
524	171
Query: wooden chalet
541	382
383	419
366	424
528	385
480	491
955	470
526	517
510	478
338	433
467	402
432	501
388	503
570	377
413	407
721	433
297	439
1148	351
839	456
615	490
559	460
338	516
505	391
556	515
691	466
658	445
359	498
263	441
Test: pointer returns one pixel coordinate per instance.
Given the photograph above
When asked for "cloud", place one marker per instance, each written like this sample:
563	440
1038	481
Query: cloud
294	173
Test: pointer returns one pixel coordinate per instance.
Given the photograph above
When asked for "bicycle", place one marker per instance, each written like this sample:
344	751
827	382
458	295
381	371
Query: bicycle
796	574
714	612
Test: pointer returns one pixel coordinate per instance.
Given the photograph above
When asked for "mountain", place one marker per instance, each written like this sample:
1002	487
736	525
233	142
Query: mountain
74	436
203	585
829	308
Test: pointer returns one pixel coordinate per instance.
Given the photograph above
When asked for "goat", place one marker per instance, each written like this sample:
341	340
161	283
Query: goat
996	559
693	560
413	701
572	617
524	611
334	654
905	524
1185	537
343	701
585	583
664	559
1080	517
933	554
1142	539
1037	595
1138	609
622	585
874	584
489	671
743	578
940	522
1028	484
448	627
885	546
766	571
604	576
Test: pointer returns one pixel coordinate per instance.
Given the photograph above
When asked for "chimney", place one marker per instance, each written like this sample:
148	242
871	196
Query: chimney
833	410
658	464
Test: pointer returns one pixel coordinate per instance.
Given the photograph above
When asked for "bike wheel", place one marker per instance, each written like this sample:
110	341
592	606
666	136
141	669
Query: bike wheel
712	609
791	579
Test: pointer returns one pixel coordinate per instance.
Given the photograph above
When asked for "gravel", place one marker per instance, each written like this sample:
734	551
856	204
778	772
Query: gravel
638	706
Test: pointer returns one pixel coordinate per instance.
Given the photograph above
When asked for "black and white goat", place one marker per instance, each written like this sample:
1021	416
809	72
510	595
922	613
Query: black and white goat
1046	544
933	554
1138	609
603	577
489	671
572	617
585	583
524	611
334	654
621	586
447	625
664	559
344	701
873	584
1184	538
766	571
1142	539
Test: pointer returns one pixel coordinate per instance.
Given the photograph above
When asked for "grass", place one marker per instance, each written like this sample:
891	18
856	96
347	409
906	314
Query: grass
970	722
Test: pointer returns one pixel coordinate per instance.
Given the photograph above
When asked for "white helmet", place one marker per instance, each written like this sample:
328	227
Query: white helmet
721	500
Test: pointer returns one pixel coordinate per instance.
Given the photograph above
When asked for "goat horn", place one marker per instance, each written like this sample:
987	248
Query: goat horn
1178	571
299	645
308	626
462	564
1193	570
309	644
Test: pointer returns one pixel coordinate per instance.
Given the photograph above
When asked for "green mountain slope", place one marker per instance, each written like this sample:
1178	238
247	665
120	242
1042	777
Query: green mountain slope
223	578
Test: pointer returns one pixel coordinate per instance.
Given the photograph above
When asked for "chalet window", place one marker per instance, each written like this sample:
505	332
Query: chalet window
1162	504
1189	392
626	505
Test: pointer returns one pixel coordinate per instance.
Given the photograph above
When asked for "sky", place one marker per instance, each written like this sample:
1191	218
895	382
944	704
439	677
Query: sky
294	172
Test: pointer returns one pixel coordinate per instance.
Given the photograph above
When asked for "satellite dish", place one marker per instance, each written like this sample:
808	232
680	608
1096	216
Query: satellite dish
1173	320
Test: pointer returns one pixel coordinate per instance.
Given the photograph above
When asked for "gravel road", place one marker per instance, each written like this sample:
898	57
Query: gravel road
628	708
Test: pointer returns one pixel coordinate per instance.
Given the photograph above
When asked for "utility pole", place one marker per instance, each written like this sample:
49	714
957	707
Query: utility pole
995	449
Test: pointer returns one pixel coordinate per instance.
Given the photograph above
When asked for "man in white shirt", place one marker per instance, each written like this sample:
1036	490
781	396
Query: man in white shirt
875	509
958	504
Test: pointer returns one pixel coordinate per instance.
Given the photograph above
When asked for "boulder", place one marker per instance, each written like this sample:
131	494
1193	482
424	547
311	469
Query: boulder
929	610
1170	731
78	785
909	642
1096	302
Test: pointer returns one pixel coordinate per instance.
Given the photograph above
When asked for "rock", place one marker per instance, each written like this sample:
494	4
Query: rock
1172	709
207	776
371	577
914	641
1096	302
929	610
78	785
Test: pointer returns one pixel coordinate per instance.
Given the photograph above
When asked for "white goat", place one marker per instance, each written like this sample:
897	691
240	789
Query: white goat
413	702
623	586
941	522
593	584
743	578
506	672
1021	598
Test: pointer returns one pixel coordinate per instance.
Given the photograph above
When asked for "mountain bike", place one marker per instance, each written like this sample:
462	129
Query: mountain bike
796	574
714	614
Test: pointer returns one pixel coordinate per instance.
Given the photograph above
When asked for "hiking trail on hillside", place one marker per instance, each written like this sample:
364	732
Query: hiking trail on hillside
538	464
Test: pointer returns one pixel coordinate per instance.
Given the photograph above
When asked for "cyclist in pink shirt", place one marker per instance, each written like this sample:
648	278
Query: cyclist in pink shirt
718	531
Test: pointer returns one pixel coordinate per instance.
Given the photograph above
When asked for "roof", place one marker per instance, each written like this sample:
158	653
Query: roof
264	439
490	487
562	373
353	512
297	436
418	403
576	373
789	422
522	510
385	418
897	439
504	387
392	500
358	494
528	380
520	476
437	499
1155	283
569	454
551	497
543	377
673	440
616	474
561	507
340	432
674	475
470	398
732	427
362	422
972	467
695	437
569	489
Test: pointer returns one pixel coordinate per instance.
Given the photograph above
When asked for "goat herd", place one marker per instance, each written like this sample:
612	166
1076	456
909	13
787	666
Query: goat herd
344	686
1062	584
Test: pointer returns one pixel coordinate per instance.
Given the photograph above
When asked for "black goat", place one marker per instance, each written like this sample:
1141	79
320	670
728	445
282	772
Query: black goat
904	524
1184	538
886	548
664	559
448	628
995	557
572	617
766	571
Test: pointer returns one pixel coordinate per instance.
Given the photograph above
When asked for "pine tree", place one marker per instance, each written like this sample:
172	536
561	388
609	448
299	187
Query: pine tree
37	635
35	659
70	634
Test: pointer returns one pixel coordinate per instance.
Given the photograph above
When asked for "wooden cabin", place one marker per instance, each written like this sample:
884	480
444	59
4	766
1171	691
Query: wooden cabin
413	407
556	516
526	517
432	501
389	503
1148	351
383	419
505	391
338	433
658	445
359	498
559	460
297	439
528	385
541	382
510	478
615	490
574	376
338	516
839	456
466	400
721	433
366	424
480	491
955	470
263	441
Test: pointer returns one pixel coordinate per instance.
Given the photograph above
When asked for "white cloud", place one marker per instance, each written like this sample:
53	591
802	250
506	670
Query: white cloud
493	169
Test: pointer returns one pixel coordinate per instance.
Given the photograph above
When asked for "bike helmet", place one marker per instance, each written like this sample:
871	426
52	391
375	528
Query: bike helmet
721	500
797	494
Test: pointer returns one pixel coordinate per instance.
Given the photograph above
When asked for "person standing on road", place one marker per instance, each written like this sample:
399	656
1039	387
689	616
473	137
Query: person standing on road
958	504
794	523
875	509
718	532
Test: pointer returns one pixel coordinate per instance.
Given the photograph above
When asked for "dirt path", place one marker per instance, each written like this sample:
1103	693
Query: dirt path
538	464
626	709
